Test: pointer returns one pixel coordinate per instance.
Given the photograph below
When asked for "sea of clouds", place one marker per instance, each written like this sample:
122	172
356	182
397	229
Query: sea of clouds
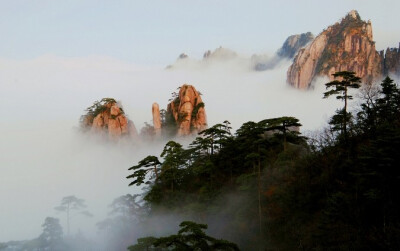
44	157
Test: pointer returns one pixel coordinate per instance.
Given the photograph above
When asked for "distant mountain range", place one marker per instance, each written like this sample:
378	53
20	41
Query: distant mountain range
344	46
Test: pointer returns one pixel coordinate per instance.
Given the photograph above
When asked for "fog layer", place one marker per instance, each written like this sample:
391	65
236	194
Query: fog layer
44	157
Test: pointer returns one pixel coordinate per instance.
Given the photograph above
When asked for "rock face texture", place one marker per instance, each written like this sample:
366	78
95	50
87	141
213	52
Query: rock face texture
391	61
155	109
293	44
187	110
107	116
344	46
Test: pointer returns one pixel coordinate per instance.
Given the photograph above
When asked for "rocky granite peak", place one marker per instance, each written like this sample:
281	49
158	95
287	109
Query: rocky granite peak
294	43
391	61
108	117
155	110
187	110
345	46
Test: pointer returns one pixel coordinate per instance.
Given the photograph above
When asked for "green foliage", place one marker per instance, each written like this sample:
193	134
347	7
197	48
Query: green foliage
191	236
144	244
337	121
196	109
216	162
97	108
146	165
182	117
175	97
389	104
170	122
339	196
339	88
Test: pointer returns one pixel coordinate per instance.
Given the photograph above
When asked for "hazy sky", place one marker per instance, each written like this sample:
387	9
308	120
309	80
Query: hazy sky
58	57
157	31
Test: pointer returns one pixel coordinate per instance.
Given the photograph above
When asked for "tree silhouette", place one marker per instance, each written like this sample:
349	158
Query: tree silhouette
191	236
146	165
51	238
125	214
174	157
340	89
215	136
389	103
72	203
284	125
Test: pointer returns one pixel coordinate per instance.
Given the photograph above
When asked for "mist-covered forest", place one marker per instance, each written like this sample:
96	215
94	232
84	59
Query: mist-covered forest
263	187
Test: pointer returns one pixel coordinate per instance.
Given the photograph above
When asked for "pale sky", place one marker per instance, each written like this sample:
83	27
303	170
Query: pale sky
58	57
157	31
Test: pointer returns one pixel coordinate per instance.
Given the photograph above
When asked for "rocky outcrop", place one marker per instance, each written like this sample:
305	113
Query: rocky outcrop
187	110
288	50
108	117
293	44
183	56
155	109
220	54
391	61
344	46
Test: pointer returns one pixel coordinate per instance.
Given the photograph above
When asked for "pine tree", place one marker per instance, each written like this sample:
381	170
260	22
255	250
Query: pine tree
340	89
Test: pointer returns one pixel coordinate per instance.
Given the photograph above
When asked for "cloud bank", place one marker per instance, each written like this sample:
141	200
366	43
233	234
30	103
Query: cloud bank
44	158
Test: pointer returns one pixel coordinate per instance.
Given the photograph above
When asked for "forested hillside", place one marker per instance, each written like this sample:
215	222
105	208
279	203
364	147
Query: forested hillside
263	187
266	186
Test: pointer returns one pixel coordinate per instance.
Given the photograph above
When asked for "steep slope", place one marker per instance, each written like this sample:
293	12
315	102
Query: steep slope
344	46
391	62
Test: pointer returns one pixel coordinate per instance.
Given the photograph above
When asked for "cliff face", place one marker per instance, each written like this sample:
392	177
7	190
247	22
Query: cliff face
187	110
108	117
155	110
294	43
391	61
344	46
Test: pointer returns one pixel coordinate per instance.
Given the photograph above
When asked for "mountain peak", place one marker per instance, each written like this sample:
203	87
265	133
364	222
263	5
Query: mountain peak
344	46
354	14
